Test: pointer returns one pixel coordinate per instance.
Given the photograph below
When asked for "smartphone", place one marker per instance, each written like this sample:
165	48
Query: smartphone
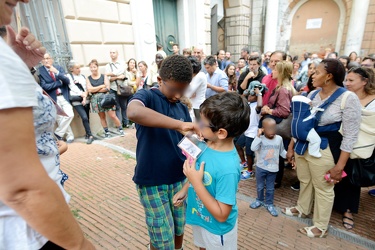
328	176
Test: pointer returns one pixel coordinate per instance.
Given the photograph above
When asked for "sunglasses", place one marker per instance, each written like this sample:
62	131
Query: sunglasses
359	71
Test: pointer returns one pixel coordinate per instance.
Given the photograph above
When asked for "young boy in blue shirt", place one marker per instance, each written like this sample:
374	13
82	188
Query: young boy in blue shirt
213	178
160	121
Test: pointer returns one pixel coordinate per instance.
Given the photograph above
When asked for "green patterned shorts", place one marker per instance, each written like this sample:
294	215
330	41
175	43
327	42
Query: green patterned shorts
163	220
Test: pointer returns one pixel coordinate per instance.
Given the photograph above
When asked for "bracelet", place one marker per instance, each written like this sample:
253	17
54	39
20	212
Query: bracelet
260	94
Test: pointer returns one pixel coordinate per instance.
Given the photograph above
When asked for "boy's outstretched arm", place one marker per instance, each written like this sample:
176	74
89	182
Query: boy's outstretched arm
219	210
144	116
181	195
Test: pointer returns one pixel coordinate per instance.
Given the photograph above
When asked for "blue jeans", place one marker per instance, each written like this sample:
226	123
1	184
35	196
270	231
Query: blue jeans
265	180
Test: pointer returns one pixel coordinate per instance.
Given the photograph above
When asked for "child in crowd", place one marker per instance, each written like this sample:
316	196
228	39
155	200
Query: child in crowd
160	120
246	139
268	147
214	176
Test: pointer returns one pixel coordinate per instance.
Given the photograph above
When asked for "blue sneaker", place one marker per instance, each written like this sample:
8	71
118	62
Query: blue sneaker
243	166
272	210
256	204
372	192
246	175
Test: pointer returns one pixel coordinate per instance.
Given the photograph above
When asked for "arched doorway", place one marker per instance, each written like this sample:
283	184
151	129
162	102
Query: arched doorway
315	27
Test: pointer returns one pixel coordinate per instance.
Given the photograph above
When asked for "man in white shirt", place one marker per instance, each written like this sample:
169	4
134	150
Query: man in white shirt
113	71
217	80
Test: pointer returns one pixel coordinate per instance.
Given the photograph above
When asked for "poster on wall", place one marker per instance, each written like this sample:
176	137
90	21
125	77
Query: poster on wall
315	23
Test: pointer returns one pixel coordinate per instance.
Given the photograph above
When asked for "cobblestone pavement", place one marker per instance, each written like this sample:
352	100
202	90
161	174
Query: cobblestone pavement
106	205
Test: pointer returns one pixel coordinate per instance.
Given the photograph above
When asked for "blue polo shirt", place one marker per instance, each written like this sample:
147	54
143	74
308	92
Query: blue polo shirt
159	159
218	79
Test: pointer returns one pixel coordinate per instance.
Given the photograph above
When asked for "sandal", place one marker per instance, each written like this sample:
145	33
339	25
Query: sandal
347	225
308	232
288	211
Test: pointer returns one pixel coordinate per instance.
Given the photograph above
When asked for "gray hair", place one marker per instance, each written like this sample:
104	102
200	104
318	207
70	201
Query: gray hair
71	64
316	62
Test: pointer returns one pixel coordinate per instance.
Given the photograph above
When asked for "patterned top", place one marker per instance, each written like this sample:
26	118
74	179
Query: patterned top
15	233
350	117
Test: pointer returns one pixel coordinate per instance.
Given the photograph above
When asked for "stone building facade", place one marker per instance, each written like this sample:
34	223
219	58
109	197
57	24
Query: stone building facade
88	29
297	26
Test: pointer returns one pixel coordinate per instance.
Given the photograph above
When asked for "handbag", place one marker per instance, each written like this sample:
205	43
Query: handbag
284	127
107	100
361	172
75	98
125	91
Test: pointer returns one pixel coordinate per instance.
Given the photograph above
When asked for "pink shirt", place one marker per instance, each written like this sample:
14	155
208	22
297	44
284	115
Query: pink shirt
270	84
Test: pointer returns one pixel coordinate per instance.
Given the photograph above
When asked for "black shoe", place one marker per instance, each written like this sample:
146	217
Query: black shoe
90	140
107	134
87	137
295	186
277	185
58	137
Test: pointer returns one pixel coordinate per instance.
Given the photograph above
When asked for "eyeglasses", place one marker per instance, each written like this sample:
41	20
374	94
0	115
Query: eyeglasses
367	65
201	125
174	90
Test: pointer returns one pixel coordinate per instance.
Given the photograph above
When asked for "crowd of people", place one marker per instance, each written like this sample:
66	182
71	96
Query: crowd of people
253	116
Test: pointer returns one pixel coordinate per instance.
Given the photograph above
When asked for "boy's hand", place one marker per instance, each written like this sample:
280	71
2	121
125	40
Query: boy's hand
257	91
194	176
179	198
260	132
187	127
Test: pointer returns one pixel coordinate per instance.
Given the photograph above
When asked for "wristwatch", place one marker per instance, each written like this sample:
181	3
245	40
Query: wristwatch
260	94
33	70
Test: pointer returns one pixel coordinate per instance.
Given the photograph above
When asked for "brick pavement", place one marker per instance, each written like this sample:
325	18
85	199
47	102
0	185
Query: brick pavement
106	205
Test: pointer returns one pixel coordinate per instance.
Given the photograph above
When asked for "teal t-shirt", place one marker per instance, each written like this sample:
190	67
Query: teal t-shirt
221	177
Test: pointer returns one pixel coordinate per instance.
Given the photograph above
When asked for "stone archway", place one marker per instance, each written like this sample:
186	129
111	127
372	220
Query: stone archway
337	6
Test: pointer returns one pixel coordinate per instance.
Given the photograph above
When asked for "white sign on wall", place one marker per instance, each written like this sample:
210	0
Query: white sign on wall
315	23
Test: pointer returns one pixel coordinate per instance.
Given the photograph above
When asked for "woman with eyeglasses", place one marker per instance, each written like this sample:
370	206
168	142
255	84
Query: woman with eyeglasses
361	81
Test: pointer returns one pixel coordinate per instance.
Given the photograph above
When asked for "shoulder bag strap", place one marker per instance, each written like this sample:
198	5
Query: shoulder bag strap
331	99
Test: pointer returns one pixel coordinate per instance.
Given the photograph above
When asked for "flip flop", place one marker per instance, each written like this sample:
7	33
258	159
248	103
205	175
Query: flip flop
288	211
308	232
347	225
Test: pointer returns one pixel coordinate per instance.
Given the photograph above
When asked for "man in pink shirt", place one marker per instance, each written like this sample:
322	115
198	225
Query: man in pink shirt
268	80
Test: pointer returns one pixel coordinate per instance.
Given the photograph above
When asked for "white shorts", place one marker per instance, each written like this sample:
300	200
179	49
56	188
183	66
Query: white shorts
205	239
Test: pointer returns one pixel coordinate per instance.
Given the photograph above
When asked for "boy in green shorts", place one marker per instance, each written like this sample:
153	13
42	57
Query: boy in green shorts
160	121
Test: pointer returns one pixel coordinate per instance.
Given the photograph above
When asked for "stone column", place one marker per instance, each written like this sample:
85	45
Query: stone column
357	25
144	30
270	35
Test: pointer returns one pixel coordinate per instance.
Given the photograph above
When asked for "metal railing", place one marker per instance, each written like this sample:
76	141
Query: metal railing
46	21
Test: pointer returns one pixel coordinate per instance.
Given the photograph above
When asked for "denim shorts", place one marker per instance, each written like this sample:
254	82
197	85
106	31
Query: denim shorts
163	219
244	141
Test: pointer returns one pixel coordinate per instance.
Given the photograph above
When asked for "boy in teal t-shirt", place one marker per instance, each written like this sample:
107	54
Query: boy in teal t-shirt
213	178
